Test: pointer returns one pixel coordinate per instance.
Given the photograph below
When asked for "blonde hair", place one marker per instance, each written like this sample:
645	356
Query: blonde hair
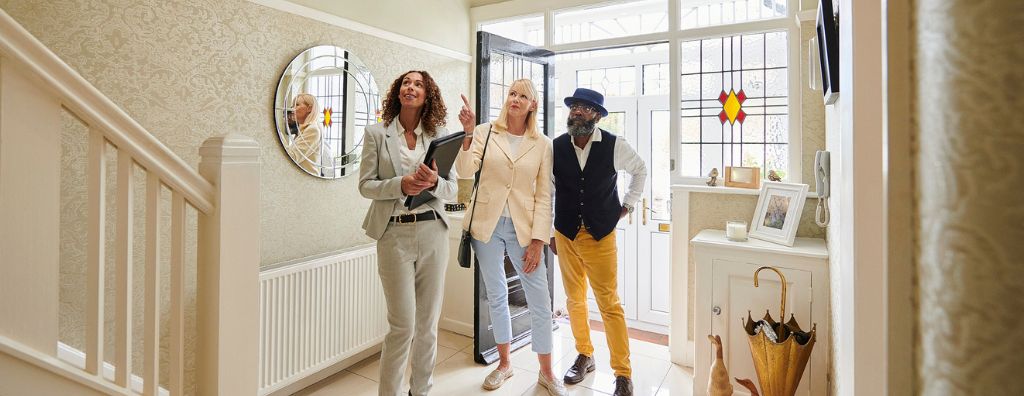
521	85
314	109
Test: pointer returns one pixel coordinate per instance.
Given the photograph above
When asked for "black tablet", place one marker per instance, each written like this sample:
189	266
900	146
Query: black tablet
443	150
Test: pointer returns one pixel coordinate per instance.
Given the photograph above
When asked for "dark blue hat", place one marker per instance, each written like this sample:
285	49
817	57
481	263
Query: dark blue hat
590	97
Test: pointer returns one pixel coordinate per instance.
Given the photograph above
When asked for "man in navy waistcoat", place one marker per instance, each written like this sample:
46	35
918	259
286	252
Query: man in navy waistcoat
586	165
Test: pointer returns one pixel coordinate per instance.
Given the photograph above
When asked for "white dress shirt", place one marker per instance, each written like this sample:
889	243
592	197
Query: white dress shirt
625	159
411	160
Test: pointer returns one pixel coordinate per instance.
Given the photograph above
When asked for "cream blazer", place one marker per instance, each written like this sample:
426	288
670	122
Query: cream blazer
305	150
522	180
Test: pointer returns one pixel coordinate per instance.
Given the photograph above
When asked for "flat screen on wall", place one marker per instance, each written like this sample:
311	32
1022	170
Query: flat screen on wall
828	51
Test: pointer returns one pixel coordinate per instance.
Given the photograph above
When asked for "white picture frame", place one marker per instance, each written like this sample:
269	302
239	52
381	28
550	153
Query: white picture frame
778	212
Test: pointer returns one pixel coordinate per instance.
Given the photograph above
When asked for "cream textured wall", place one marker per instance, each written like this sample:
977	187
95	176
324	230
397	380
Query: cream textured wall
709	210
970	202
441	22
187	71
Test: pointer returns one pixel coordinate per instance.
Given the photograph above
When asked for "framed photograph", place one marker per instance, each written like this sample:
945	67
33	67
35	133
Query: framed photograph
778	212
742	177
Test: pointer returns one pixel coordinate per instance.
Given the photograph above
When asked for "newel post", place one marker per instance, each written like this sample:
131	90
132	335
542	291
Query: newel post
228	269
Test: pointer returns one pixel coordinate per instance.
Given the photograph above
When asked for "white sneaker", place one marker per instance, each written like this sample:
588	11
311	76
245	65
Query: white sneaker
555	387
497	378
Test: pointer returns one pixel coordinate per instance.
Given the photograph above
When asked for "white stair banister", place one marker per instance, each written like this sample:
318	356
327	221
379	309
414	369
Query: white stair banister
227	358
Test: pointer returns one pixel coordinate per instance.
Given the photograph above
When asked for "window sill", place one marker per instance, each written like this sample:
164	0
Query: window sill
715	190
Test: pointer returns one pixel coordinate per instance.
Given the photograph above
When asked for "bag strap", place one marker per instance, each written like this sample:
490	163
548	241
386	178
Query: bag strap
476	178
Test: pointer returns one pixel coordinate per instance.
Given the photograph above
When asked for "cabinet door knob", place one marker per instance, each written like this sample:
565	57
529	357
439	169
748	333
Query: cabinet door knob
716	310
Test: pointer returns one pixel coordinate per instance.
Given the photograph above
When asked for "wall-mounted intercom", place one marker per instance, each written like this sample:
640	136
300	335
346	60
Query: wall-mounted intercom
821	180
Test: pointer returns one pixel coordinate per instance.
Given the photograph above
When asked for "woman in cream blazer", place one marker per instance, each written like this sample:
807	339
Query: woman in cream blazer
305	149
512	214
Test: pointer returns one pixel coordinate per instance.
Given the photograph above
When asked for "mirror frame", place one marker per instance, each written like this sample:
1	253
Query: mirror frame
319	62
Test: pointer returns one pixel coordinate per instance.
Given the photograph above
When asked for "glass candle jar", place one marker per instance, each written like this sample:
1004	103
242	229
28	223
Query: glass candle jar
736	231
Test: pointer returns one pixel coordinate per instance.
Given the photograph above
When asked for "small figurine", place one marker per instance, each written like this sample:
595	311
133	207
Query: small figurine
774	176
718	380
714	177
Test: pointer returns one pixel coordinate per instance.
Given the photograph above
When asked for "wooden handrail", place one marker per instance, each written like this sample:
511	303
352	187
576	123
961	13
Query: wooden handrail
76	94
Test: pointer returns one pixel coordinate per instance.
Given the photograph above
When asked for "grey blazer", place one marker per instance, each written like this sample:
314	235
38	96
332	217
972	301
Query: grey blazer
379	177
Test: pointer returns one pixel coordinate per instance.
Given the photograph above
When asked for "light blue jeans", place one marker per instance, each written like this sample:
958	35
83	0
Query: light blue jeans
491	256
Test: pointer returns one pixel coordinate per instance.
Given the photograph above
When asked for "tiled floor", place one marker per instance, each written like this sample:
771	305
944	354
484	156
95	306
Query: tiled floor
457	374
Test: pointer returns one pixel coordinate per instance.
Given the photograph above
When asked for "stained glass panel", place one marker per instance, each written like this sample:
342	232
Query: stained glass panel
739	114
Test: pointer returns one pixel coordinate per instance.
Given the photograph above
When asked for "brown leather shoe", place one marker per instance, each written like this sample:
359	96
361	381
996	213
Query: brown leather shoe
584	364
623	387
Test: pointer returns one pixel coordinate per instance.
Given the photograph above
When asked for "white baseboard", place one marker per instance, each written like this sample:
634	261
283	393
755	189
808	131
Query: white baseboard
456	326
77	359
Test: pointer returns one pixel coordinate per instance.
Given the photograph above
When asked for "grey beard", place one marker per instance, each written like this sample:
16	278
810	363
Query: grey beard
581	128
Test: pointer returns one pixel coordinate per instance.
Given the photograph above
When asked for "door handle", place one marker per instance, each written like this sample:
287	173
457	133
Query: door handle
644	214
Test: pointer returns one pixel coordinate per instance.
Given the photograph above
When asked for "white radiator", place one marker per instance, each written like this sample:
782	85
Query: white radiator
317	312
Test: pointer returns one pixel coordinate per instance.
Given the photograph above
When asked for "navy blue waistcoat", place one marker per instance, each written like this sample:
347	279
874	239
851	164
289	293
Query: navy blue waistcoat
590	196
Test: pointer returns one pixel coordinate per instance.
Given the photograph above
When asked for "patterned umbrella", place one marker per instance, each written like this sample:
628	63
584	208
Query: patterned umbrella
780	350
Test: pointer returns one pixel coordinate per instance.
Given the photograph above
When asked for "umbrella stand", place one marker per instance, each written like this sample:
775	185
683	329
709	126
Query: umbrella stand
780	350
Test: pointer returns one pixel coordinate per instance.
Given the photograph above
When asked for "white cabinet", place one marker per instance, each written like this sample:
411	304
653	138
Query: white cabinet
725	292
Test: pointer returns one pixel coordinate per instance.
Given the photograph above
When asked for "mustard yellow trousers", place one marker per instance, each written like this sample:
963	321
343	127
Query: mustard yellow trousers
586	259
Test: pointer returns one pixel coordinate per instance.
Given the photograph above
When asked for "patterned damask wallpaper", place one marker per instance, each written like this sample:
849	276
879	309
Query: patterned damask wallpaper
188	71
970	204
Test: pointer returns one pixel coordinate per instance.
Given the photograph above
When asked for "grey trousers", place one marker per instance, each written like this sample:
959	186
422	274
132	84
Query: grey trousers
411	260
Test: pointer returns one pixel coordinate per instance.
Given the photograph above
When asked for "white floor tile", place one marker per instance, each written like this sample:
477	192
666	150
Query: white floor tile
678	382
342	384
457	374
455	341
370	367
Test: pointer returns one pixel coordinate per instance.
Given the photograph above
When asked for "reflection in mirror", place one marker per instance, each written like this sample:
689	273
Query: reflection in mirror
325	98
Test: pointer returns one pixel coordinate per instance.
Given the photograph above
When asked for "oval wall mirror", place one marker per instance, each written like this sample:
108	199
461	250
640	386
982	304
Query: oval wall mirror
325	98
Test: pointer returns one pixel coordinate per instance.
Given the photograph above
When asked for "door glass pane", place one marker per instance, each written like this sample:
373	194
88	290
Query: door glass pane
529	30
656	79
613	81
659	166
614	123
611	21
506	68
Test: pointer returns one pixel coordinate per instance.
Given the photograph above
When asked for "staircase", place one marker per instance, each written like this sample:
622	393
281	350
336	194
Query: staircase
35	85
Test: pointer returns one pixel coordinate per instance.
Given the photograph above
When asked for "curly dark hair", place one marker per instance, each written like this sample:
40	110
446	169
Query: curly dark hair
433	113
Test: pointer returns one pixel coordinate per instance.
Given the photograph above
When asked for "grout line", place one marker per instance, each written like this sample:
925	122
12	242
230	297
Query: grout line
371	379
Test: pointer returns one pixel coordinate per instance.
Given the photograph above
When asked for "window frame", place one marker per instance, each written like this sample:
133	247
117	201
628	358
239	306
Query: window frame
675	36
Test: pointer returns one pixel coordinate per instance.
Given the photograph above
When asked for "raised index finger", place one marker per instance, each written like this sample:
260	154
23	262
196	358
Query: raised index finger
464	100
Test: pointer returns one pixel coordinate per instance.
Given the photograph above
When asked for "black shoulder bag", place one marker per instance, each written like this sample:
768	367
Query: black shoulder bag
465	245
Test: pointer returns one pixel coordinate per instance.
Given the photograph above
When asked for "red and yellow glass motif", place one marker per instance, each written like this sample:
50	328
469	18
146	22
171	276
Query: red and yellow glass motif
327	117
732	107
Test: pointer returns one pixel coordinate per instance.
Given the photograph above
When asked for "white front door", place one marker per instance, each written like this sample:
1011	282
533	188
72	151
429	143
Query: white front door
639	114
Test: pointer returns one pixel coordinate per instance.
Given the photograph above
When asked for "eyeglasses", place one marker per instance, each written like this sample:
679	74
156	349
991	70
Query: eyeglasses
583	108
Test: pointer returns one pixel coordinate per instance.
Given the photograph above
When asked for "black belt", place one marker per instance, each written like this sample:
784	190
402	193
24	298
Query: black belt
412	218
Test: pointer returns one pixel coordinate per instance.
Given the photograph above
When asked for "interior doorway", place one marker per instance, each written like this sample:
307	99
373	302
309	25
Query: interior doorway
635	81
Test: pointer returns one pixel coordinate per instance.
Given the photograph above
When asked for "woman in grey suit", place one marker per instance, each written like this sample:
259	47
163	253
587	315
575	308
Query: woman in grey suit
412	245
